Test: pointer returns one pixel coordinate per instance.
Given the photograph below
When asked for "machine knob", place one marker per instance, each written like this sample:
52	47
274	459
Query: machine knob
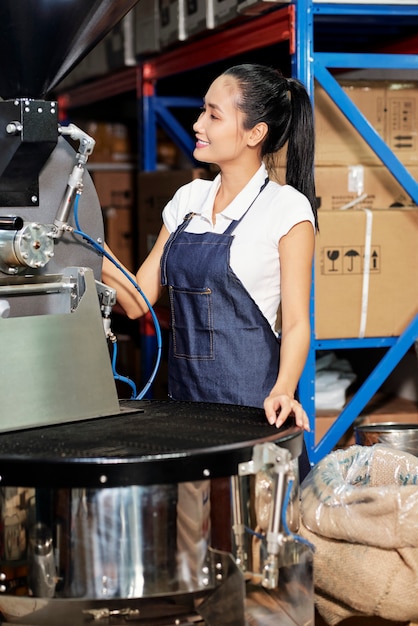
34	245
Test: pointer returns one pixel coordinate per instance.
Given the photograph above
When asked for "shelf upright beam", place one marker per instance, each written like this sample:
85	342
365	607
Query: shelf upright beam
148	125
302	69
302	58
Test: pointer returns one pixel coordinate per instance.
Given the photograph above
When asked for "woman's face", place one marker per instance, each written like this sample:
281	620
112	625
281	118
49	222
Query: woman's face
219	129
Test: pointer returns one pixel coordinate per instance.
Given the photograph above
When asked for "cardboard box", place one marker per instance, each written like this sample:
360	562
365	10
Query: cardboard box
387	301
118	227
113	142
391	109
115	188
119	43
117	196
354	186
195	16
371	187
172	23
220	12
146	27
155	189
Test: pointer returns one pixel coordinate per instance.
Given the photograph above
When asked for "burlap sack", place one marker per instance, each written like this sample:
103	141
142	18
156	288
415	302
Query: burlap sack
359	507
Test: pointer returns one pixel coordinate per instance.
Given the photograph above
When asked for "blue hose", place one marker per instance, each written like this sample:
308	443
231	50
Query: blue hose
103	252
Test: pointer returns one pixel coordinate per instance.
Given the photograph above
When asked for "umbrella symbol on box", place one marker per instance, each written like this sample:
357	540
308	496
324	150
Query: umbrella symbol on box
351	254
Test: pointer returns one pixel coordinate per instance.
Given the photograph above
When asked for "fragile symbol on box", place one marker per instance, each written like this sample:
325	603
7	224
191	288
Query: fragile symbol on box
349	260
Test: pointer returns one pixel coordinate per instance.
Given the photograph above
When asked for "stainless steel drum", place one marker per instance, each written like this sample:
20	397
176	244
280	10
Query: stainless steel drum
397	435
111	519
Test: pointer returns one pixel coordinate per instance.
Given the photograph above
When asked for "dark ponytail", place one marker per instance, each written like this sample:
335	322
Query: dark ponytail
284	105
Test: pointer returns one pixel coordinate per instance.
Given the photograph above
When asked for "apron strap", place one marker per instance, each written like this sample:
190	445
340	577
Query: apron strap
235	223
180	228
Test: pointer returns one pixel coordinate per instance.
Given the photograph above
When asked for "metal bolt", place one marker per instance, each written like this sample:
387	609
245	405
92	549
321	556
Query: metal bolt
12	128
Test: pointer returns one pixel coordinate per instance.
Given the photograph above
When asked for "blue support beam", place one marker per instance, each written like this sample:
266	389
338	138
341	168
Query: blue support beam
366	392
389	10
156	110
301	60
182	138
149	134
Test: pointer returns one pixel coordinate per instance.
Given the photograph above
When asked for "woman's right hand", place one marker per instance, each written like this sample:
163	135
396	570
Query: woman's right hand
279	406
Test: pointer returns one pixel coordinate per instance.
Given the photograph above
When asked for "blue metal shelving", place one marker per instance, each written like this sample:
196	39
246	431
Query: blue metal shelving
309	65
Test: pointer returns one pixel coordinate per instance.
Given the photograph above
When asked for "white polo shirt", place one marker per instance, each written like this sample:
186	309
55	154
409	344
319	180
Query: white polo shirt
254	250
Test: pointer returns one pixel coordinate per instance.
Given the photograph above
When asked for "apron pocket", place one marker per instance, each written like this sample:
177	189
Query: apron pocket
192	340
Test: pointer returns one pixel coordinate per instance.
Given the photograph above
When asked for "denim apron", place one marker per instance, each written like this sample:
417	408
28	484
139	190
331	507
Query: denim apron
222	348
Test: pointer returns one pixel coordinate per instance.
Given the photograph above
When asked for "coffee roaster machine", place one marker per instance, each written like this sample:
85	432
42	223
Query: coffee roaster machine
105	504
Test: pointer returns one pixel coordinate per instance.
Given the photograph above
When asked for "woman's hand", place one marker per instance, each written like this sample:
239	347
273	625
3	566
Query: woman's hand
278	407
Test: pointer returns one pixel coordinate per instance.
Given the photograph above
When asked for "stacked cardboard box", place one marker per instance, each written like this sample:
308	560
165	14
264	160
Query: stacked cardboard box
113	142
354	298
357	295
348	302
391	109
347	169
117	196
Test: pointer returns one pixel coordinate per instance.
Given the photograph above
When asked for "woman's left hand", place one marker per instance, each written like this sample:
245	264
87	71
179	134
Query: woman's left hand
279	406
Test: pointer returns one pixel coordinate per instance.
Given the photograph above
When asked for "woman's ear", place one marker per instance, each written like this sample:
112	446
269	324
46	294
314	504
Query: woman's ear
257	134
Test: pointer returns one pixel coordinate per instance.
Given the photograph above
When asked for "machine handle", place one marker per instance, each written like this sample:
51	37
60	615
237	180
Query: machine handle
11	222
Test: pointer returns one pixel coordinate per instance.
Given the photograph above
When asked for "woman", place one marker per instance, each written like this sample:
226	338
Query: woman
232	250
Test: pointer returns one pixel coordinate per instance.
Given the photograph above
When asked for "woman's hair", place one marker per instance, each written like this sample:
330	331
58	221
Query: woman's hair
284	105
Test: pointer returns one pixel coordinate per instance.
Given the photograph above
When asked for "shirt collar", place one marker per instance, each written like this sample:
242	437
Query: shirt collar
241	202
